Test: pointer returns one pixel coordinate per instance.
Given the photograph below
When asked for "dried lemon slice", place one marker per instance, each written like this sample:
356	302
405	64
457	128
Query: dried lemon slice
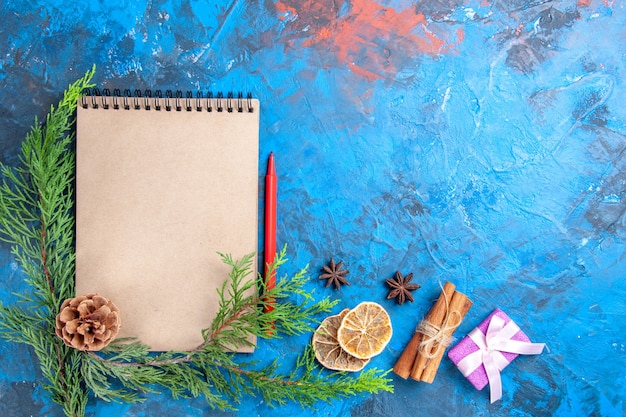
365	330
327	349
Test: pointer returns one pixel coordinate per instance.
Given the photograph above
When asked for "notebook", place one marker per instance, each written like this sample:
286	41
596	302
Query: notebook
162	185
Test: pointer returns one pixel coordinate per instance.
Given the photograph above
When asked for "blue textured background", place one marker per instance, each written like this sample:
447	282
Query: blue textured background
480	142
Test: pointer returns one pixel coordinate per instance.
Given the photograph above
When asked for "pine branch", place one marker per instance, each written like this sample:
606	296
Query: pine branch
308	383
223	378
36	218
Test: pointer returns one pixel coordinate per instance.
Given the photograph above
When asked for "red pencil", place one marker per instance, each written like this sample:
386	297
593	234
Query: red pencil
271	188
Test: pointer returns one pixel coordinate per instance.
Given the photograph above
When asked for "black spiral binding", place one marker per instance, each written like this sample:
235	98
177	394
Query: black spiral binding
172	101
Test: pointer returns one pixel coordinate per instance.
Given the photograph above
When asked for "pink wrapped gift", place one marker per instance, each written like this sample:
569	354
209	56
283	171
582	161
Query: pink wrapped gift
489	348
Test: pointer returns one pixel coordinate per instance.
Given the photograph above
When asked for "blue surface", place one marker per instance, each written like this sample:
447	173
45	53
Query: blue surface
479	142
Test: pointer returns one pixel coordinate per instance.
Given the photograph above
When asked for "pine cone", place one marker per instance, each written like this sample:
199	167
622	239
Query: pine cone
88	322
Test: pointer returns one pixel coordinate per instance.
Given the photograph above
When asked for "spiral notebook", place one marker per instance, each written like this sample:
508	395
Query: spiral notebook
162	185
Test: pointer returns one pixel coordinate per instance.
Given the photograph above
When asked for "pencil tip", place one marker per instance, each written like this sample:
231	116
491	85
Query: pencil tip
270	164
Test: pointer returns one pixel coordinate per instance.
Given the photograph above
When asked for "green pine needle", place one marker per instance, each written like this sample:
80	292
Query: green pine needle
37	220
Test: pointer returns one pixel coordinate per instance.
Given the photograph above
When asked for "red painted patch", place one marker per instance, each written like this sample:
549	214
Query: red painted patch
286	12
372	40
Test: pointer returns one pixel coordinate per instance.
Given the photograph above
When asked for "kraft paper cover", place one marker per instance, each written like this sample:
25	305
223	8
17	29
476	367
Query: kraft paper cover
158	194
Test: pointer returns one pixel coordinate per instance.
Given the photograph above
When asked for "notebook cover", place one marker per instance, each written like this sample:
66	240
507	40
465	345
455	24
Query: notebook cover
158	194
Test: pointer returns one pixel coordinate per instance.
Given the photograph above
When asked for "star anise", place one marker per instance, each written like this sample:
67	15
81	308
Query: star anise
334	274
401	287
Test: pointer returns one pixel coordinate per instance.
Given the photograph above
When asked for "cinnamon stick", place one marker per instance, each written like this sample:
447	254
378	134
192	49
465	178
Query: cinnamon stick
440	316
459	303
403	366
405	363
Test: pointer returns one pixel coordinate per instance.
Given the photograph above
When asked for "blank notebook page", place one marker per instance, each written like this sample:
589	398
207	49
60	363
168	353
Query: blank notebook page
158	195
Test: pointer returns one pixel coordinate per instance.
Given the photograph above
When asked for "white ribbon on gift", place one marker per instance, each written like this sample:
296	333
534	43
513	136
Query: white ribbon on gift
497	340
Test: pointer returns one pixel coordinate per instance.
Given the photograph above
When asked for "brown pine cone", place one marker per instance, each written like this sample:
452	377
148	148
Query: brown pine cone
88	322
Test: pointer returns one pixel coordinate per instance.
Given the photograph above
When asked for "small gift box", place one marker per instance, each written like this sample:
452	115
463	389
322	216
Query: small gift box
489	348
